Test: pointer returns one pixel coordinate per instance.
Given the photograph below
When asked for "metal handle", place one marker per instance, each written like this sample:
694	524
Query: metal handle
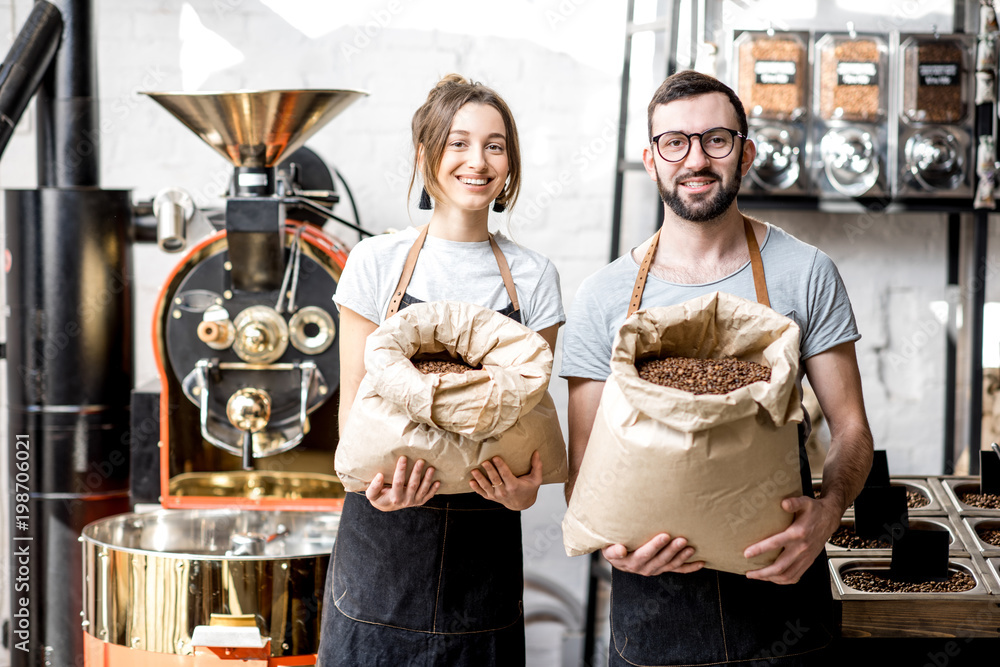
247	450
308	370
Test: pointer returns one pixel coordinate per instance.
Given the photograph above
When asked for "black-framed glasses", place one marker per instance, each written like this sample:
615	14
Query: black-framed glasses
716	143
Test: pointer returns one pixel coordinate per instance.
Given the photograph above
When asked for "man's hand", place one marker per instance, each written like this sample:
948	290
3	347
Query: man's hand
500	485
659	555
420	488
814	523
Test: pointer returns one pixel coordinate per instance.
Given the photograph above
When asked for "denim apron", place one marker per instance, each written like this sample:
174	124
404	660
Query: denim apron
711	618
427	586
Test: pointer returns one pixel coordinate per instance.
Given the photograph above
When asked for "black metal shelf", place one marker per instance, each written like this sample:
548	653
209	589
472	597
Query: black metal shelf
754	201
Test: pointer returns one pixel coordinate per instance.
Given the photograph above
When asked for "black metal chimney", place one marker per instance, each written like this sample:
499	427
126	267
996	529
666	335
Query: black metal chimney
68	117
69	352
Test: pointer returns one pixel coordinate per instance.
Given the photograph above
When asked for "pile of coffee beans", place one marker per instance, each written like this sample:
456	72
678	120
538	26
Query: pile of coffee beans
702	376
989	535
849	81
439	366
773	77
985	500
881	582
846	538
933	92
914	499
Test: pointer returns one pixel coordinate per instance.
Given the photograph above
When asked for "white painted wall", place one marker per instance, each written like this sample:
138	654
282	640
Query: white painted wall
558	64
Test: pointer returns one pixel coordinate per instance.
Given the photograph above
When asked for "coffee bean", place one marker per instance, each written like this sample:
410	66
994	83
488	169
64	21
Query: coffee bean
914	500
989	535
770	99
984	500
702	376
881	582
846	538
427	366
842	97
933	82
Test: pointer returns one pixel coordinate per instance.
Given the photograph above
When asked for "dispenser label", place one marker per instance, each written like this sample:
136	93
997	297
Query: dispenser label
774	71
938	74
251	180
857	74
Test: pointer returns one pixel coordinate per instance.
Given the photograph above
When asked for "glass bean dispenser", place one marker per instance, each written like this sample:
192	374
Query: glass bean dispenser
935	116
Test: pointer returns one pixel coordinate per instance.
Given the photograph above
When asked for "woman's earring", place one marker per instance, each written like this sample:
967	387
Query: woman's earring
499	206
425	200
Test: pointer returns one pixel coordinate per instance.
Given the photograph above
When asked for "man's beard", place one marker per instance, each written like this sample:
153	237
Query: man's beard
702	210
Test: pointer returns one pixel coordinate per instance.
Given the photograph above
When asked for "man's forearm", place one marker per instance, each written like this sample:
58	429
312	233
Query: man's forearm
847	466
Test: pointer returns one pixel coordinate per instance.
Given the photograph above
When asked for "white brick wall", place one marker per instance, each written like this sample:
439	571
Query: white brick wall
558	63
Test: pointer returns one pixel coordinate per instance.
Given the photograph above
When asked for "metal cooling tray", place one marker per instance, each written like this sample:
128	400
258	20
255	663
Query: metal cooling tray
976	543
956	547
956	486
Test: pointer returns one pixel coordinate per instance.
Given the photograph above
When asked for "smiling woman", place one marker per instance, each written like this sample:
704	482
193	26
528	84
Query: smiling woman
466	126
400	593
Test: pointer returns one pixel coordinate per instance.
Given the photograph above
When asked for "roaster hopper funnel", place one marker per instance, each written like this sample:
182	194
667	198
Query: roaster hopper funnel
256	128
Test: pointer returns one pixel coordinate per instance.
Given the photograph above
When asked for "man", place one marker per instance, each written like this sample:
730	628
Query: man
666	609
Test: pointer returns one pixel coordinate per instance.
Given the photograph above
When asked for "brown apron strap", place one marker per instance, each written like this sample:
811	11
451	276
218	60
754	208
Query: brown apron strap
404	278
756	266
411	261
640	280
508	280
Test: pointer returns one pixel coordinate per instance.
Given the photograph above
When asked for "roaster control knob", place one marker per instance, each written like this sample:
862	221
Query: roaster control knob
216	329
261	335
249	409
255	338
218	335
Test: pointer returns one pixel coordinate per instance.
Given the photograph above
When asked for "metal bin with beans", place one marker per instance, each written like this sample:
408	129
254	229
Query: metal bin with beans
772	70
851	114
935	115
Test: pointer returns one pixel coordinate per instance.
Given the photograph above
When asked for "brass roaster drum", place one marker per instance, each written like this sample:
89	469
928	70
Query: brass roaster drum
151	579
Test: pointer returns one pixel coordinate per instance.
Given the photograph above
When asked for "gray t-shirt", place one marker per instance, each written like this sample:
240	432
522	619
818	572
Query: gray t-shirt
802	284
449	271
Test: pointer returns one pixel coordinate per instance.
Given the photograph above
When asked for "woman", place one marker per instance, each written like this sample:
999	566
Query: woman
419	579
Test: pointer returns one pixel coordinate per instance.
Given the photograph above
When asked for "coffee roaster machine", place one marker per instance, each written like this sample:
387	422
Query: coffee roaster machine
231	569
244	334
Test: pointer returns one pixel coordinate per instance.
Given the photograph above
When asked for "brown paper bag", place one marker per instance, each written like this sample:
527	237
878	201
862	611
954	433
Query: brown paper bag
452	421
710	468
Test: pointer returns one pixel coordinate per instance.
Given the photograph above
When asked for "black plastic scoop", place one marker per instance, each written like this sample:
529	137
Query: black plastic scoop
920	555
989	470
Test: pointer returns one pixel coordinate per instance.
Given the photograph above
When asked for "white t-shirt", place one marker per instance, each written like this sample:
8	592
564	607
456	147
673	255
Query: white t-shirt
449	271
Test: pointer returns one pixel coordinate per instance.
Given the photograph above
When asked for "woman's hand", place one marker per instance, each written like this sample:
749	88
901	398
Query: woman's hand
499	483
401	494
